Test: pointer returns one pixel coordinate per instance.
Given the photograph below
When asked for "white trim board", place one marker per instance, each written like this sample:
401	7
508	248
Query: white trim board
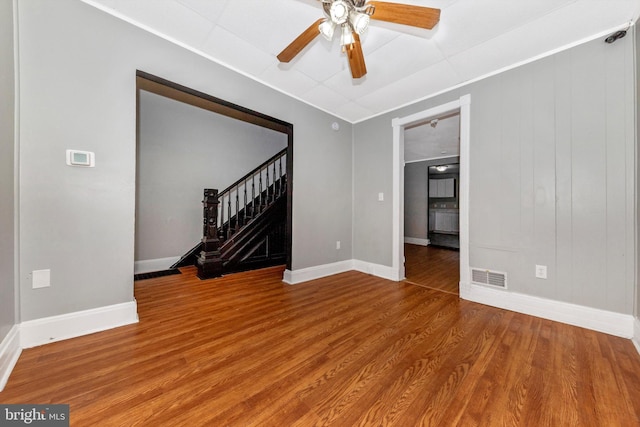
150	265
10	350
318	272
293	277
377	270
609	322
621	325
57	328
462	104
417	241
636	334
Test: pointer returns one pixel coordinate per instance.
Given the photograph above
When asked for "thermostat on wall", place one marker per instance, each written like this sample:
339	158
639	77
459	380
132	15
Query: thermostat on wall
81	158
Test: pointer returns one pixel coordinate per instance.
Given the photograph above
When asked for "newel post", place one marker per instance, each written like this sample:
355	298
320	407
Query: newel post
209	262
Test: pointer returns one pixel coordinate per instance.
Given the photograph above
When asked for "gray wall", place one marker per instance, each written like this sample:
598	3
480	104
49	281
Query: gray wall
7	171
77	90
183	150
416	200
551	176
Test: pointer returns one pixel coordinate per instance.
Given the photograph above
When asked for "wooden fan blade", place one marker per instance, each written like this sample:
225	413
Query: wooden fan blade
356	58
405	14
300	42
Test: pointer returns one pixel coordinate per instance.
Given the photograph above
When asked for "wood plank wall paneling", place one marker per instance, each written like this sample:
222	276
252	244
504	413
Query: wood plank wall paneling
346	350
551	175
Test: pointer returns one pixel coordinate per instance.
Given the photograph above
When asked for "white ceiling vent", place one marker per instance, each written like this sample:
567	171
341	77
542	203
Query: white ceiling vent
488	277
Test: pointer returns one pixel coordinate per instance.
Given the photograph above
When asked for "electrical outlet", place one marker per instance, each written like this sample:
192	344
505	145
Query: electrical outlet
337	244
541	271
381	197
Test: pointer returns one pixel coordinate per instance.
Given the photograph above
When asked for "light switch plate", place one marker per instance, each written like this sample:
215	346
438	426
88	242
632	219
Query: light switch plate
40	279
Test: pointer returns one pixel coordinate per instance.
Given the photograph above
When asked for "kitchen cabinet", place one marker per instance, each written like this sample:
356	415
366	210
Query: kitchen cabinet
441	188
446	222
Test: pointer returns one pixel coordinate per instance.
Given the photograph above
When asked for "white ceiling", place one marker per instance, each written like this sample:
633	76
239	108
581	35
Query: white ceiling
473	39
425	141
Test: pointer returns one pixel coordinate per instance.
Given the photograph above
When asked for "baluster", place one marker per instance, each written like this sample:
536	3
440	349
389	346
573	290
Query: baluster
229	216
244	209
238	207
253	195
274	180
260	190
268	187
281	183
227	220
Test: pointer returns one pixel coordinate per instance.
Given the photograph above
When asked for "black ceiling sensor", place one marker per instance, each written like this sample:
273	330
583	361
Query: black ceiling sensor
615	36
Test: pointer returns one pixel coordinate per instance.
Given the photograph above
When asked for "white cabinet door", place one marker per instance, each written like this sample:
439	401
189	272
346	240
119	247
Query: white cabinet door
433	188
439	188
455	222
447	222
449	185
441	221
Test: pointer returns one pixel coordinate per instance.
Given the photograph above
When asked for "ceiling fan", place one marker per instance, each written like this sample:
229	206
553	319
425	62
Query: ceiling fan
352	18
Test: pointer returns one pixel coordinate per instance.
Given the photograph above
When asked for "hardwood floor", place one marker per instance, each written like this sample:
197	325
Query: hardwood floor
348	350
436	268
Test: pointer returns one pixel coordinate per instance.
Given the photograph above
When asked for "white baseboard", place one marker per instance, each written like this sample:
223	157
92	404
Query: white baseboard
417	241
149	265
293	277
377	270
636	334
10	350
311	273
621	325
56	328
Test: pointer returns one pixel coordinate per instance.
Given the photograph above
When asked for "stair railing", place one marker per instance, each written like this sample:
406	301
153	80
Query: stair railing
251	194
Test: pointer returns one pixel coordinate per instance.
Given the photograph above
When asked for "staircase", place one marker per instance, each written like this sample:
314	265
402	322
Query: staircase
244	226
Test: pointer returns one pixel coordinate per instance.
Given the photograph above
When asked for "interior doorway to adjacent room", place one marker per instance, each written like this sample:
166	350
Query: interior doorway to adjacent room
412	254
431	202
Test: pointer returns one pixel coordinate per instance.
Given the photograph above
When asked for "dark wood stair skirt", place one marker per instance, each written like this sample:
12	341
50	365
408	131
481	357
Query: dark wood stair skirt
154	274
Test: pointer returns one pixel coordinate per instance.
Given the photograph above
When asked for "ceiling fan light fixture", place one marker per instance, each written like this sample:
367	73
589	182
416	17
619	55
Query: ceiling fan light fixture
353	17
327	29
359	21
339	12
347	36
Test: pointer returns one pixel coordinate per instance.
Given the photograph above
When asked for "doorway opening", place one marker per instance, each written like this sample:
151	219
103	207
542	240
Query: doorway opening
237	136
443	214
461	107
431	202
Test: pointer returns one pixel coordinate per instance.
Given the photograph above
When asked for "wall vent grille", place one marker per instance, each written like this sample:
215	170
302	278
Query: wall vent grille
488	277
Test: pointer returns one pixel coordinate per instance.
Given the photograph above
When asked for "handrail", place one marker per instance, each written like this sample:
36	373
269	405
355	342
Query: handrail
266	162
250	195
217	228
